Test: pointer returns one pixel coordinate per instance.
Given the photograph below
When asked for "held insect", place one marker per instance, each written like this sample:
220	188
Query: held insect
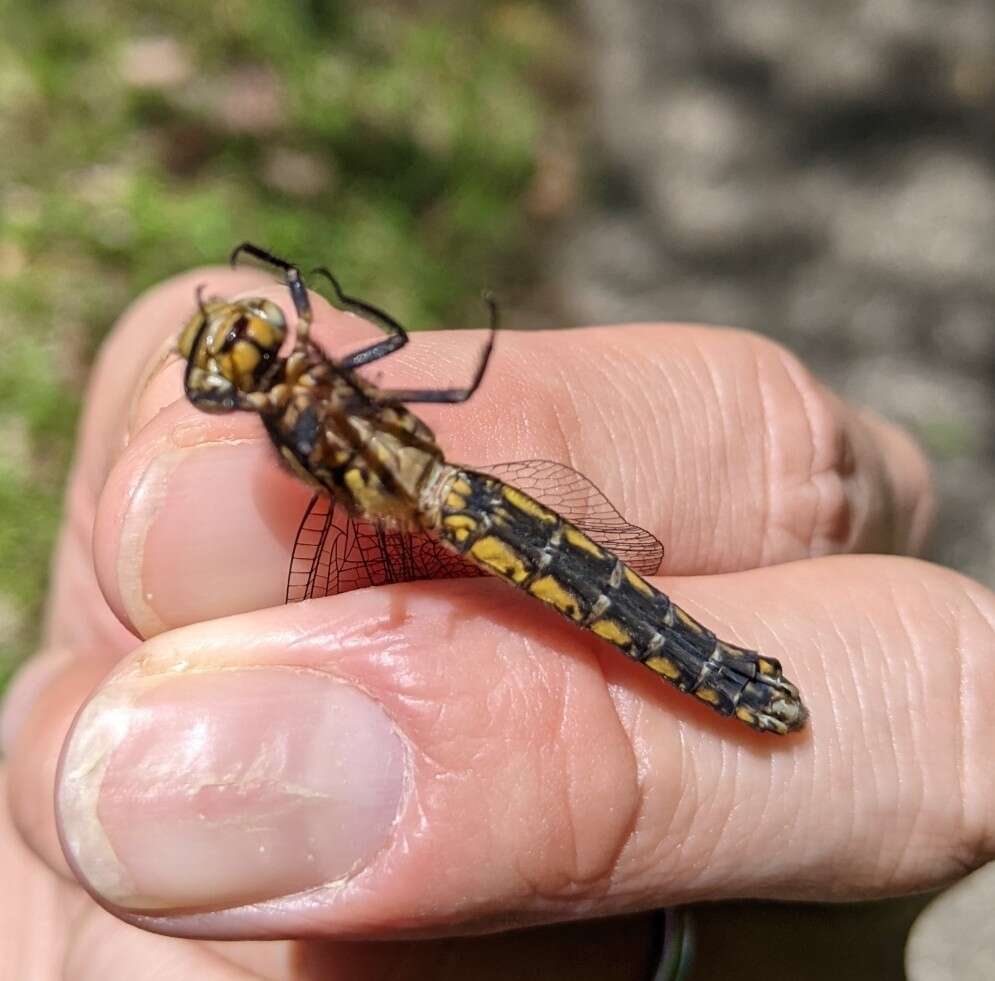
388	507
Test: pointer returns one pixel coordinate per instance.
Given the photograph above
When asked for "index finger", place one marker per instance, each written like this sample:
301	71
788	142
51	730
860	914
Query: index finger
716	441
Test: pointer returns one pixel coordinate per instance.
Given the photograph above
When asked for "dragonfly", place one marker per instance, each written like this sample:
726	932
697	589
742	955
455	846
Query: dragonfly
389	507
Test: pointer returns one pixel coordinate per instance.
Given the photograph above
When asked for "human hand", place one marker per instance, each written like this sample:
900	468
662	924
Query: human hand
437	759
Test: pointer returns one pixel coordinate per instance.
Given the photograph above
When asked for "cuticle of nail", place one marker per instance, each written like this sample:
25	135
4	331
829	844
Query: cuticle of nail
165	354
146	497
86	757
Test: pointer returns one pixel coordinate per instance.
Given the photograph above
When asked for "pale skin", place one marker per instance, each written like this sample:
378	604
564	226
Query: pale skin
445	759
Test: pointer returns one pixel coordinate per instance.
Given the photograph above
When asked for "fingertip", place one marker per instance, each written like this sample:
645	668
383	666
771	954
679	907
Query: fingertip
195	522
24	689
35	745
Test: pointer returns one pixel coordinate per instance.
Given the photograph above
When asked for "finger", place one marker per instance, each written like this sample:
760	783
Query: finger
78	617
717	442
50	929
625	949
83	636
440	757
35	908
33	750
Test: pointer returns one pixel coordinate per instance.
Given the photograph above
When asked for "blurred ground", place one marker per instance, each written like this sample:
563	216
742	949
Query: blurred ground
823	173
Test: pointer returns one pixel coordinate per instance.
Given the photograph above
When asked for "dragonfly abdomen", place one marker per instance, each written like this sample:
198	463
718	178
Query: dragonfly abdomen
510	535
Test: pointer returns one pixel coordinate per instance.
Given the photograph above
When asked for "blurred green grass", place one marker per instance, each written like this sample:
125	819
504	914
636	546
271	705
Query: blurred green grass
398	143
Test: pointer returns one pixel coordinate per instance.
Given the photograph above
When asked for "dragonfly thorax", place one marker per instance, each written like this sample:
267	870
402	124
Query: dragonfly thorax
372	456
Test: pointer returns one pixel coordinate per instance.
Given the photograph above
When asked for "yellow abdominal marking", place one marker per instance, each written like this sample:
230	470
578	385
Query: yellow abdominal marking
460	486
463	521
766	667
461	525
664	666
580	540
525	504
612	631
745	715
455	501
709	695
550	591
638	583
496	555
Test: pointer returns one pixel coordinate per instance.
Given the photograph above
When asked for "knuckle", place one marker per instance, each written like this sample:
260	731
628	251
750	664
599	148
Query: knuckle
809	458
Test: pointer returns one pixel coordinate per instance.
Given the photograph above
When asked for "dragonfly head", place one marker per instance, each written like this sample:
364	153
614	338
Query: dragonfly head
231	350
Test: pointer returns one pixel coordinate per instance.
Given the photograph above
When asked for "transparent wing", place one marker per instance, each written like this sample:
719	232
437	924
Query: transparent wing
334	553
572	496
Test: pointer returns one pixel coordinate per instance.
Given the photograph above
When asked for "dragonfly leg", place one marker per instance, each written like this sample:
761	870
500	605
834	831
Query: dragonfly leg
397	338
455	395
294	280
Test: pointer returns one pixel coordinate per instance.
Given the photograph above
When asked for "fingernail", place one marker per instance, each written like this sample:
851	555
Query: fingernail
214	789
206	532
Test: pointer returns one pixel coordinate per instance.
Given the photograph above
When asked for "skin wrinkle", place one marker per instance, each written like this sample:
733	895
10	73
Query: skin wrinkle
632	421
766	460
556	417
694	805
702	474
858	750
883	832
641	426
561	738
978	836
609	439
713	836
627	829
831	503
631	834
918	808
904	791
802	384
630	841
751	412
601	878
789	826
984	608
961	721
829	439
835	762
724	435
738	423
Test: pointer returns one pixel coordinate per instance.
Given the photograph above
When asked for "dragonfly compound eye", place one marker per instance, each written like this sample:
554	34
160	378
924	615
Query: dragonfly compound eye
231	349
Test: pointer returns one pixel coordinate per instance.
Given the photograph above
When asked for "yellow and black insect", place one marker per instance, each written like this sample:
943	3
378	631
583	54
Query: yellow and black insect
389	507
